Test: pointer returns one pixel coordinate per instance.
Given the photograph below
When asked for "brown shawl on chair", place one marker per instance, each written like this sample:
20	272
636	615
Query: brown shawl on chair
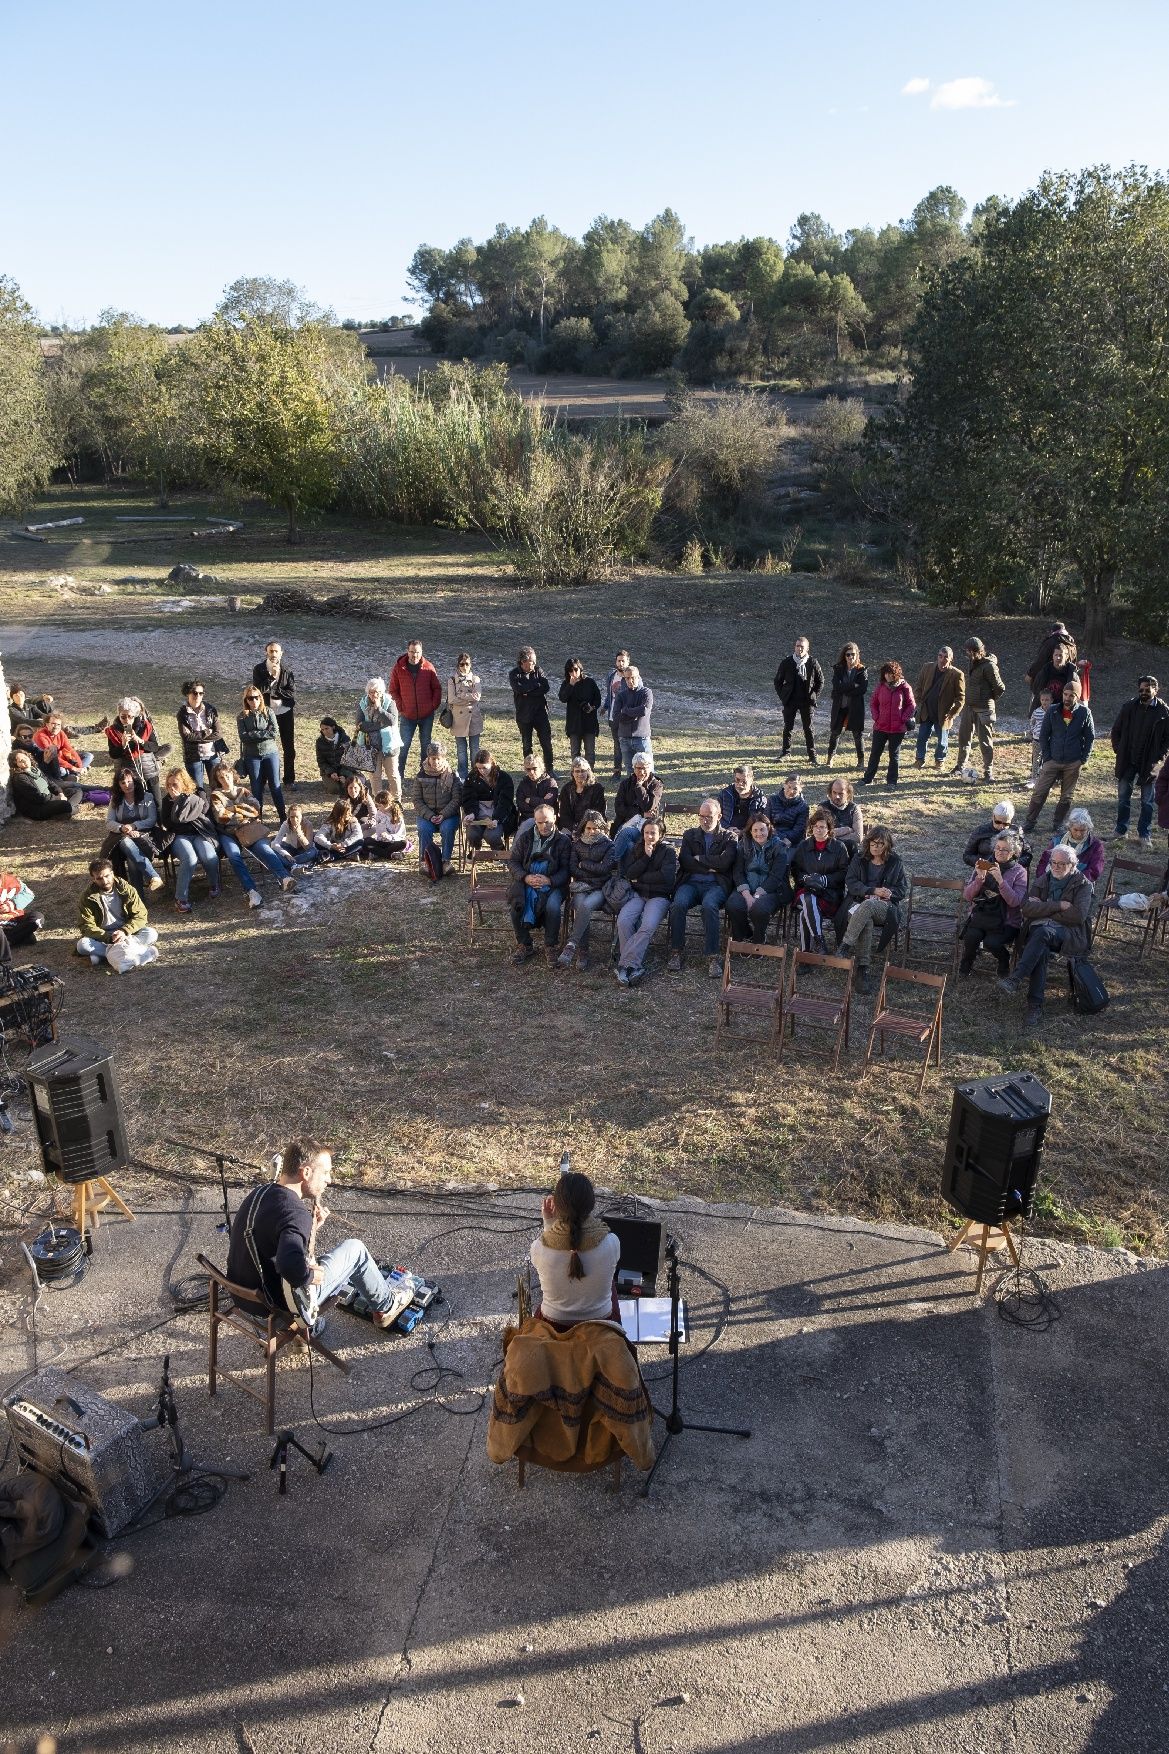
570	1399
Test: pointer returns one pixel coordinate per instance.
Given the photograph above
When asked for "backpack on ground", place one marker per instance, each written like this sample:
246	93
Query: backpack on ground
432	862
1087	994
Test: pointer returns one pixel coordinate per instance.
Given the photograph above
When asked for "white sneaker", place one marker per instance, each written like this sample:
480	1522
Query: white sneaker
255	899
1146	841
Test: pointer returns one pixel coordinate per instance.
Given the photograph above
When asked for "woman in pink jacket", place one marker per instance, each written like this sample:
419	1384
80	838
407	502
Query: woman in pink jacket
892	707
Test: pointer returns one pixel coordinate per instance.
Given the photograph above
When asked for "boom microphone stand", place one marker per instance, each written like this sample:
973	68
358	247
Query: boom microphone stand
675	1424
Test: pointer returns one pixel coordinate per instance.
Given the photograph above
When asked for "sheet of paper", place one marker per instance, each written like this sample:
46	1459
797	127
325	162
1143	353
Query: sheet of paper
646	1320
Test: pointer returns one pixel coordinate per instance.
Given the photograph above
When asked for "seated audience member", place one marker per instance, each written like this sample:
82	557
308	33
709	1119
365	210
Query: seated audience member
33	794
332	742
385	831
341	838
590	866
1079	833
982	839
706	859
1055	919
741	800
237	820
134	832
19	920
23	711
114	925
845	813
198	724
651	870
579	794
788	811
61	760
359	798
271	1253
640	798
259	748
294	840
757	877
575	1257
875	885
132	742
538	862
535	787
488	803
995	893
186	814
815	877
437	800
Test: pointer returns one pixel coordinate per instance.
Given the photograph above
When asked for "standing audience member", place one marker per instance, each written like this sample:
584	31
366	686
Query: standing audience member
341	840
464	695
277	684
984	686
259	749
1057	635
199	732
535	787
538	862
1080	835
417	693
635	705
875	885
757	881
892	707
529	688
995	893
941	695
488	803
114	924
1055	919
131	741
378	728
582	699
590	866
1060	669
1065	743
579	794
186	815
850	682
706	860
34	795
613	682
640	799
1140	738
848	823
815	879
62	762
741	800
799	682
332	743
134	832
651	872
437	795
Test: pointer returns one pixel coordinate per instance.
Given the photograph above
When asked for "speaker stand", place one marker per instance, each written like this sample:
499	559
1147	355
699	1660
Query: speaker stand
1002	1238
87	1204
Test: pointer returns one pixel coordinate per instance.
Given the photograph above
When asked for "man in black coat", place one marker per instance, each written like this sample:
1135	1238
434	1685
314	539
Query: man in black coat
538	862
798	683
529	687
1140	737
277	684
706	861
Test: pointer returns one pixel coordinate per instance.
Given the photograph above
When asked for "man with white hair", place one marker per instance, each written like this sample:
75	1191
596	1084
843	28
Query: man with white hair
1055	919
706	860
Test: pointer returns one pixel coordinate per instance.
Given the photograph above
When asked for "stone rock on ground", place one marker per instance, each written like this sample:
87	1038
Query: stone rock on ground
187	574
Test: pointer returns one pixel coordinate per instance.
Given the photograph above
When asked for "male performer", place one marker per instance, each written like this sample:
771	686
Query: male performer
798	683
277	684
272	1240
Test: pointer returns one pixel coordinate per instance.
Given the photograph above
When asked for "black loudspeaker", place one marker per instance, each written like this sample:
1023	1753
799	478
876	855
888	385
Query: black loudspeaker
641	1242
75	1106
994	1146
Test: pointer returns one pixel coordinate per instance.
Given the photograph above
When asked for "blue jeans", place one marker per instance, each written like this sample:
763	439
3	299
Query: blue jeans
263	850
637	922
710	897
189	853
549	906
351	1263
266	769
631	746
198	770
924	733
585	905
407	727
135	855
1124	791
446	832
625	837
297	861
1044	937
466	749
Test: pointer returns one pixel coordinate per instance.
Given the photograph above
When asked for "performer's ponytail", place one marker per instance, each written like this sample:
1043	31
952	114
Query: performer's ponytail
574	1199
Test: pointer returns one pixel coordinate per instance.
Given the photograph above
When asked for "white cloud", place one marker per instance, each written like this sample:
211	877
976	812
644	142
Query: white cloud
914	87
969	94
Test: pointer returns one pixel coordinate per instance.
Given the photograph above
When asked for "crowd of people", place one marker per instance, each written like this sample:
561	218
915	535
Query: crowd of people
573	854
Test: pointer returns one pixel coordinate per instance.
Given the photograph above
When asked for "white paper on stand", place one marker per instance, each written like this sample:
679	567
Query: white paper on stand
646	1320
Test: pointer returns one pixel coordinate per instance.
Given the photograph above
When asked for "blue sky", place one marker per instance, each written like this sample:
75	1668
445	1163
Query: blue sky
152	153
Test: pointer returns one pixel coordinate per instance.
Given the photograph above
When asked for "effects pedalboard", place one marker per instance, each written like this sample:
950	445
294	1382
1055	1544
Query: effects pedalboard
426	1292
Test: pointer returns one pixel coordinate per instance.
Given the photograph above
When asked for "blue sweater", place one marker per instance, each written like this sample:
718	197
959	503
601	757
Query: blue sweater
1066	741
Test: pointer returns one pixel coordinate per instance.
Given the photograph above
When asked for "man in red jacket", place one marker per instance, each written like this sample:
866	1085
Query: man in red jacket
417	692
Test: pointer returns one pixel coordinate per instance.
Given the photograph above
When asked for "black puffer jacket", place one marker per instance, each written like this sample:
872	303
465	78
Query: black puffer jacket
501	797
981	843
653	873
862	877
634	799
583	700
530	794
572	805
820	870
1140	737
529	690
590	863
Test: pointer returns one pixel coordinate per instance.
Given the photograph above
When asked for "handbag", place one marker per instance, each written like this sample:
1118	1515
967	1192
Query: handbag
617	891
247	833
446	719
360	757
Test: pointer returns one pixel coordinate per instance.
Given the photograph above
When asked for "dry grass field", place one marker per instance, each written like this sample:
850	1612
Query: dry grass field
356	1009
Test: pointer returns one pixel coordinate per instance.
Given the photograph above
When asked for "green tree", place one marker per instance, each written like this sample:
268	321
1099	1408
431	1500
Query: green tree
27	453
135	384
258	298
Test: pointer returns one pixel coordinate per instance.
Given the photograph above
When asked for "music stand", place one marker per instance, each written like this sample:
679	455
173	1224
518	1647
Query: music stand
675	1424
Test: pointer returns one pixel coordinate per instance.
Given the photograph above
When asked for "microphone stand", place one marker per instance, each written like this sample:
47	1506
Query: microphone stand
675	1424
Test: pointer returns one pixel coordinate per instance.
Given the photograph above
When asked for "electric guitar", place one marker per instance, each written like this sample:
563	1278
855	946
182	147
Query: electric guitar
305	1301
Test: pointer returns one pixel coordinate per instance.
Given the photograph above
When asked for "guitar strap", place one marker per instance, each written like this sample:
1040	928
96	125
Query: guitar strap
300	1304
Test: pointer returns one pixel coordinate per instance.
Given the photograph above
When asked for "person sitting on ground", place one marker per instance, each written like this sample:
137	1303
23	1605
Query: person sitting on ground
378	725
437	800
982	839
271	1253
359	798
651	871
706	859
788	811
488	803
341	839
741	800
1065	746
63	762
1055	919
591	863
294	840
385	832
575	1257
135	836
995	893
893	708
640	798
875	885
582	700
22	738
815	882
237	820
332	742
259	745
198	723
114	925
536	787
1079	833
19	920
186	815
23	711
538	862
845	813
760	864
579	794
132	742
33	794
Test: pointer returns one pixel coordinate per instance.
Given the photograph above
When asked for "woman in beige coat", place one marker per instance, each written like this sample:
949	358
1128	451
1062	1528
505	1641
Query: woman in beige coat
464	691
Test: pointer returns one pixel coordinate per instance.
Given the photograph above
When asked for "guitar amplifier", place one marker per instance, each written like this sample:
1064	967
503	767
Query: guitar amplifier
89	1446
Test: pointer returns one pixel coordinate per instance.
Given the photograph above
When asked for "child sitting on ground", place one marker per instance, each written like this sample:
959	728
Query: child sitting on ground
385	830
341	837
294	840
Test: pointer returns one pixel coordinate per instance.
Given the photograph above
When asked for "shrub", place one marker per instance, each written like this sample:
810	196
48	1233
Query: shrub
721	449
571	347
690	560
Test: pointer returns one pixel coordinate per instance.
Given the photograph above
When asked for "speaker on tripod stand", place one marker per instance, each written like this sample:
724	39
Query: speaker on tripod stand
994	1147
79	1121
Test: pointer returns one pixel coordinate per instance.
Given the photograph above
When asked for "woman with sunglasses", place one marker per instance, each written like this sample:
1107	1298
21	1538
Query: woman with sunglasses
199	730
259	746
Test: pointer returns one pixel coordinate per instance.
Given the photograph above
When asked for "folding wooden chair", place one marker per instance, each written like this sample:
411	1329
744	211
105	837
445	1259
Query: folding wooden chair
271	1334
828	1013
924	1030
1110	910
935	928
743	996
1156	930
490	896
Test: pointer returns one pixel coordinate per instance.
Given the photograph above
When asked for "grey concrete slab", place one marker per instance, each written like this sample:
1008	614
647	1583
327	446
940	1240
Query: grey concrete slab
943	1533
